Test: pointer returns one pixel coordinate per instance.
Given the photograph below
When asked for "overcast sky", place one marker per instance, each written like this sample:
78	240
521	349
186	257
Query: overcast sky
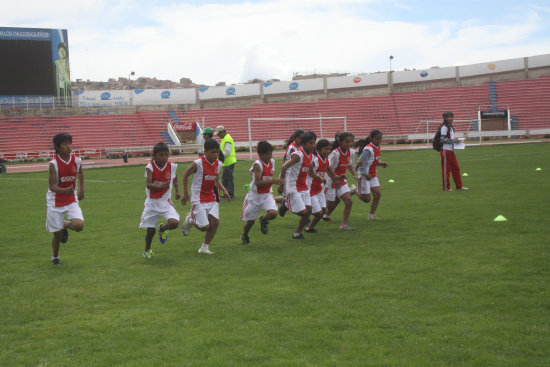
235	41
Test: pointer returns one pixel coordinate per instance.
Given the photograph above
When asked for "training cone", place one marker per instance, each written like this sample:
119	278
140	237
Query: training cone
465	174
500	218
538	169
391	180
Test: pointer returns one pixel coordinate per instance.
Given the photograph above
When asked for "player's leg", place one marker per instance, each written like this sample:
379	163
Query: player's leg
348	202
377	194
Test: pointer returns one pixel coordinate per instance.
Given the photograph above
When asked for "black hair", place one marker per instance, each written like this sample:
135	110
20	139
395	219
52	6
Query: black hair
340	137
296	134
321	143
211	144
448	113
160	147
60	138
264	147
361	144
310	135
62	45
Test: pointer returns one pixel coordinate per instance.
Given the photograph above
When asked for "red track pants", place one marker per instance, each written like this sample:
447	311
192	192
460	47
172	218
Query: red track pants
449	165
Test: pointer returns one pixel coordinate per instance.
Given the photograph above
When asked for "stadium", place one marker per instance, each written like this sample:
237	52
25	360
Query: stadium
437	281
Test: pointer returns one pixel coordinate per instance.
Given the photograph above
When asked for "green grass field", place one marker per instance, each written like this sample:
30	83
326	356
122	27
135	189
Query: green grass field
435	283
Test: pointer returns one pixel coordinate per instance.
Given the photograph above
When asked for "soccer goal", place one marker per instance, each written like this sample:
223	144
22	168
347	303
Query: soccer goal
277	130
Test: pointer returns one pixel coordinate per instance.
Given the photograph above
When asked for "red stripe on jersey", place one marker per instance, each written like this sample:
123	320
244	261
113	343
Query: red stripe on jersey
209	178
160	176
267	174
301	181
66	177
372	168
316	185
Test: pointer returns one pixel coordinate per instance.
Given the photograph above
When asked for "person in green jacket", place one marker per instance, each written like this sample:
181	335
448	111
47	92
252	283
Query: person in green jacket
227	146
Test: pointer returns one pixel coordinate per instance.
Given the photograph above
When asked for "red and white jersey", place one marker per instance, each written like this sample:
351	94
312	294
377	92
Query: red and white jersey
160	175
65	176
267	174
296	176
374	159
339	162
292	147
320	166
204	180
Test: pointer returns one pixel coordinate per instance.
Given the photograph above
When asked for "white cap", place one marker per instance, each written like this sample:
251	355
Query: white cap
219	129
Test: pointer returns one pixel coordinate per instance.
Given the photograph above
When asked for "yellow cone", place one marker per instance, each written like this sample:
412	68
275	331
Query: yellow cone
464	174
391	180
538	169
500	218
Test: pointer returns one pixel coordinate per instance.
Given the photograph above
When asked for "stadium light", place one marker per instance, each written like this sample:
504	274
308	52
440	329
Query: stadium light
391	58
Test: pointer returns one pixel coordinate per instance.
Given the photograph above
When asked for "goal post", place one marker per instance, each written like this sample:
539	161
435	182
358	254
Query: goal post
278	129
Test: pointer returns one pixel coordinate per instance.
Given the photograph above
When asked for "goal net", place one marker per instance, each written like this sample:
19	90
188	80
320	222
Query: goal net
277	130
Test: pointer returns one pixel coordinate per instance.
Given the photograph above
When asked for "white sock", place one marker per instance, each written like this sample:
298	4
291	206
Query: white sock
295	234
205	246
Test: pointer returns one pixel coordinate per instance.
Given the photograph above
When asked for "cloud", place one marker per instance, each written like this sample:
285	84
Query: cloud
238	41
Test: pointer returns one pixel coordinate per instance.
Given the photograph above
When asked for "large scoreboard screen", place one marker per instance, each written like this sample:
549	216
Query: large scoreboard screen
34	64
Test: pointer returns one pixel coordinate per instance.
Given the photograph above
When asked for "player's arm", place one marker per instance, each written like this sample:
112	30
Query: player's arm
314	175
223	189
80	176
52	178
176	187
192	169
293	160
154	185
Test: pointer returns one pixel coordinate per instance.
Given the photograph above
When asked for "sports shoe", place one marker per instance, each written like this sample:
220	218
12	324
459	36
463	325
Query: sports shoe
263	225
244	239
186	226
148	254
463	188
373	217
345	227
204	250
326	219
298	237
55	261
163	237
282	209
65	236
310	230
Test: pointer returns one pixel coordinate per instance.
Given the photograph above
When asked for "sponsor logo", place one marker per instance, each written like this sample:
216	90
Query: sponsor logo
67	178
267	177
165	94
105	96
356	79
423	74
230	91
491	66
210	178
293	86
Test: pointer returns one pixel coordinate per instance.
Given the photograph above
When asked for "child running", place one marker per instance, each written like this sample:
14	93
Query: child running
160	175
293	144
341	160
298	199
366	168
205	210
260	195
62	198
319	168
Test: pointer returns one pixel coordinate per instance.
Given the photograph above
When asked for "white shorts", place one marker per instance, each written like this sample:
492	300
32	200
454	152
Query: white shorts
297	201
253	202
331	193
152	212
55	216
201	211
318	202
365	185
